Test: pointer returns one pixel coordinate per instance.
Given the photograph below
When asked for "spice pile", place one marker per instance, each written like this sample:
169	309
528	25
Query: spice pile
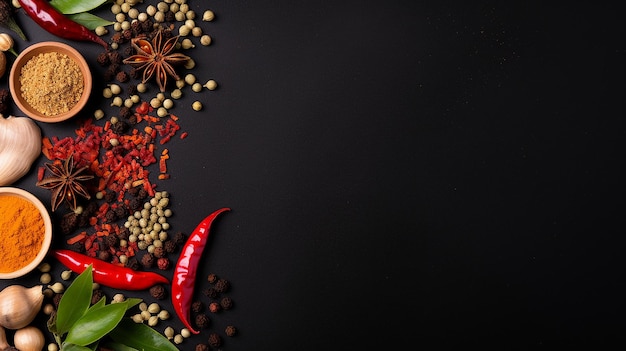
104	176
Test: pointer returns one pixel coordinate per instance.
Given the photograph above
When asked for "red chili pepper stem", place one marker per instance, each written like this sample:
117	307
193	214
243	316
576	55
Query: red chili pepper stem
108	274
55	22
183	283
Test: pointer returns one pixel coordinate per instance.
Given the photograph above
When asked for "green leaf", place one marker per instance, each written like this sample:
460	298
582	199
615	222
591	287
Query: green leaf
116	346
75	301
88	20
140	337
96	323
72	347
75	6
133	301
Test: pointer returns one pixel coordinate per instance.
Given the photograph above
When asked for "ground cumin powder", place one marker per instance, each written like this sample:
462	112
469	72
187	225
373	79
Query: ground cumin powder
21	232
52	83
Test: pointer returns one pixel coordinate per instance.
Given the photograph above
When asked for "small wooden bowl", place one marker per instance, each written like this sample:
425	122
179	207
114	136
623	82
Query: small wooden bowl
45	231
15	84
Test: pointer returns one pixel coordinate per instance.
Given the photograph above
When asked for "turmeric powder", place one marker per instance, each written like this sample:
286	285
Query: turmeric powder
21	232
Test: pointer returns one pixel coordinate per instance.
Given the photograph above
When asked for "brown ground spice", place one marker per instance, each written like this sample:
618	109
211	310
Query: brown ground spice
52	83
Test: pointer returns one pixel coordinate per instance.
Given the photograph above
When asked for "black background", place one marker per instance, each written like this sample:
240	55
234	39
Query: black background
442	173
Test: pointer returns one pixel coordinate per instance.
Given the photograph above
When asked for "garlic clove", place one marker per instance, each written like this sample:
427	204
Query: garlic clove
29	338
20	145
19	305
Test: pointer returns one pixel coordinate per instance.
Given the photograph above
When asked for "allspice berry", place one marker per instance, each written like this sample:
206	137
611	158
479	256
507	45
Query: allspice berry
215	340
231	330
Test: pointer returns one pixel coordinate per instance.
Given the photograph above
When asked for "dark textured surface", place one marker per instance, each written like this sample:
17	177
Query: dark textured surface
444	174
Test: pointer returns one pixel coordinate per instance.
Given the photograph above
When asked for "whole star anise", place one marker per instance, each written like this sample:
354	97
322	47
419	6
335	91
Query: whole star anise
66	183
156	58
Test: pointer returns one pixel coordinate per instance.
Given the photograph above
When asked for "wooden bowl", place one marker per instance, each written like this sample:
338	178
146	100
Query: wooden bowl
58	100
42	236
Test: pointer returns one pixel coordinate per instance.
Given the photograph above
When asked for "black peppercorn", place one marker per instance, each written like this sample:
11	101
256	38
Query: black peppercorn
103	59
170	246
157	292
231	330
120	211
147	260
226	303
133	263
212	278
104	255
202	347
179	238
210	293
96	295
110	216
202	321
222	285
159	252
115	57
215	340
69	223
214	307
122	77
197	306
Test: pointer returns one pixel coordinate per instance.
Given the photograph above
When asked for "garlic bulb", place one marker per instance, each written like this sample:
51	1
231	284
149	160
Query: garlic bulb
20	145
29	338
19	305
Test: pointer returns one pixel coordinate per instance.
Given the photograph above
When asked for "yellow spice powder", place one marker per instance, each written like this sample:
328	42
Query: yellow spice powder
21	232
52	83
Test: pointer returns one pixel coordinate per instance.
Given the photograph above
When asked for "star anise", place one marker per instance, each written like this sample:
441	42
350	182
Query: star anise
66	183
156	58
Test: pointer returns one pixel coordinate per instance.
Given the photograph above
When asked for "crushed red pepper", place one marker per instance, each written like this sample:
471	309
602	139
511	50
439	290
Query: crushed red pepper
120	162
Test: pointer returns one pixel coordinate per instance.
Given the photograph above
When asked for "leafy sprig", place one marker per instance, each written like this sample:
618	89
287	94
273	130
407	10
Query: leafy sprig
78	325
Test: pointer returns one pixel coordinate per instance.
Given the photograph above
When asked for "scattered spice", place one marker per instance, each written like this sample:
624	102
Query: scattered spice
51	83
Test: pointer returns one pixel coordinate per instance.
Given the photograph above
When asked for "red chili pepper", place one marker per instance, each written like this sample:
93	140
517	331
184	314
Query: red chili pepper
187	266
55	22
108	274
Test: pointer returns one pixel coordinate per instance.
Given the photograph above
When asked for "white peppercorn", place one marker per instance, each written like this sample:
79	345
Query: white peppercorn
169	332
153	321
154	308
168	104
196	87
211	84
45	278
137	318
163	315
44	267
101	30
208	16
117	101
205	40
98	114
196	105
196	31
184	31
119	297
115	89
162	111
57	287
66	275
151	10
178	339
187	44
190	64
185	333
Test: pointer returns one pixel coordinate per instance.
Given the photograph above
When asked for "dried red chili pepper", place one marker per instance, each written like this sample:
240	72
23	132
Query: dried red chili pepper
55	22
108	274
185	270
